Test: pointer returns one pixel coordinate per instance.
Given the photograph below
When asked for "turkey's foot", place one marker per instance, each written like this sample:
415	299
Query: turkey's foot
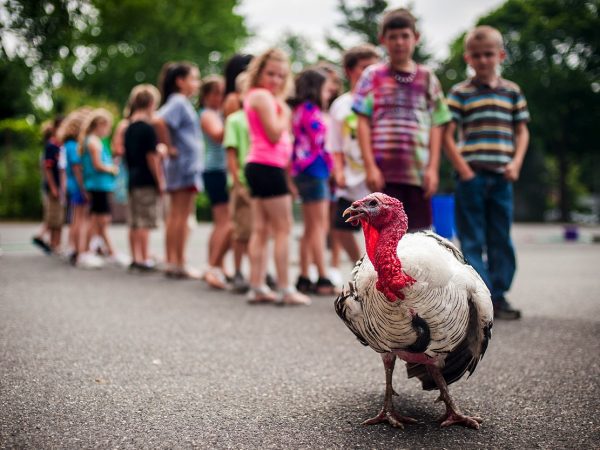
456	418
390	416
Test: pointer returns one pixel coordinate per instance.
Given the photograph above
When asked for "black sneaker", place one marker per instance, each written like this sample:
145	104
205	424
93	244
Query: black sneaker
504	311
304	285
41	244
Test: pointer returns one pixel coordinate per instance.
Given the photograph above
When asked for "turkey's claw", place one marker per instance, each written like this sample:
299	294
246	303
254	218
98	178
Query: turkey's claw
456	418
391	417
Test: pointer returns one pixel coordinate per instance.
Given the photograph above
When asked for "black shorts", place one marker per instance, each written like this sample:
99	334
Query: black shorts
339	222
266	181
416	206
99	203
215	185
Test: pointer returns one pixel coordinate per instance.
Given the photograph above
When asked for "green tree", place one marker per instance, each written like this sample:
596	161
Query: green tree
134	38
552	53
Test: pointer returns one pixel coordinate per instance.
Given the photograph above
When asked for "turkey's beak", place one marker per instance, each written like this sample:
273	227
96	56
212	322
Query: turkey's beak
356	213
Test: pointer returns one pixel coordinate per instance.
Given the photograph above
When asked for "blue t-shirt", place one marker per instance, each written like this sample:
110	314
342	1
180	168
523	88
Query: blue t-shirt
184	170
73	159
95	180
318	168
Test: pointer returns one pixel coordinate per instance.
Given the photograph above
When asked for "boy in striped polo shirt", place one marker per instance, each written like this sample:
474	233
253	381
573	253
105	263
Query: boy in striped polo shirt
491	116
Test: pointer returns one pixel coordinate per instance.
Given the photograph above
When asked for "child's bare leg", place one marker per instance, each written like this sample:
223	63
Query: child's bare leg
279	215
258	243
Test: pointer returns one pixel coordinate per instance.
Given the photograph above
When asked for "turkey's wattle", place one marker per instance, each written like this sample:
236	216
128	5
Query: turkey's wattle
413	297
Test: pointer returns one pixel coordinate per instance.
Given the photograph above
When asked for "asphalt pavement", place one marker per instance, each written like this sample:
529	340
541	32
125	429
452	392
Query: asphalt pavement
109	359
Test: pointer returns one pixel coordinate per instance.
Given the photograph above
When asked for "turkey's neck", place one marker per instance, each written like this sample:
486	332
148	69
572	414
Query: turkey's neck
382	249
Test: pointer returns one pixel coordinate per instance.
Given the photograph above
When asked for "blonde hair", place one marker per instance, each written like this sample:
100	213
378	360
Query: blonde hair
95	118
70	127
258	64
483	33
141	97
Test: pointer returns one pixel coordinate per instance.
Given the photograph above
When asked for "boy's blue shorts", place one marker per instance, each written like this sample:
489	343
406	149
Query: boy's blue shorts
76	198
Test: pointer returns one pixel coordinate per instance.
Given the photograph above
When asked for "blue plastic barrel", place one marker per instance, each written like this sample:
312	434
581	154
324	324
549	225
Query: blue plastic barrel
442	206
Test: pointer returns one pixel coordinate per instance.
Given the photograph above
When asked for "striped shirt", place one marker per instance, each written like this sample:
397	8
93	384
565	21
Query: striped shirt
402	108
486	118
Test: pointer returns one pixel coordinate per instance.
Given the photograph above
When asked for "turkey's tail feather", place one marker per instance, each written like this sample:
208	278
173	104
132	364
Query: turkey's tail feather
463	358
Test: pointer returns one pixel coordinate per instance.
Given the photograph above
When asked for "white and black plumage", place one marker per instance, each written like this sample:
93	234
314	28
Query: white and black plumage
414	297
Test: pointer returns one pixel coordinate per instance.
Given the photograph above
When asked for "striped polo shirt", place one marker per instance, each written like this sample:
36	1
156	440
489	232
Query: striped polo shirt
486	119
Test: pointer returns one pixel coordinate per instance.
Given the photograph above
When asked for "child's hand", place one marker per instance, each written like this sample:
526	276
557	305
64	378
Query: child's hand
512	171
431	181
162	150
173	152
115	170
340	178
375	181
466	174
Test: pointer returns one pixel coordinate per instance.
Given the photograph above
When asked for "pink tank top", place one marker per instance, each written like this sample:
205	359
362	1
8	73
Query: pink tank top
262	151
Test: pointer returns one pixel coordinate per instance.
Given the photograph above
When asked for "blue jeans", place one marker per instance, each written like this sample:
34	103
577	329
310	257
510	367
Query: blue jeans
484	210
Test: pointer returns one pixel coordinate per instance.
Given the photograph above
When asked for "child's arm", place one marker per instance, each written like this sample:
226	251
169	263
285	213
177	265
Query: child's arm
431	177
77	171
274	122
212	126
95	148
233	166
375	181
162	132
339	162
117	143
513	168
51	182
458	162
153	160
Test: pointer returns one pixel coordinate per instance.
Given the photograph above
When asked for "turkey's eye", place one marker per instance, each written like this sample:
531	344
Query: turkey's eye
373	203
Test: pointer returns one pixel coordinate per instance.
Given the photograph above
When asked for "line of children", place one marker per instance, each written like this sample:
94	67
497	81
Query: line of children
385	135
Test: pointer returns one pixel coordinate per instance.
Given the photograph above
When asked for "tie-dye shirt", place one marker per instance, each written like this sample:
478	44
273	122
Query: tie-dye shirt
309	155
402	114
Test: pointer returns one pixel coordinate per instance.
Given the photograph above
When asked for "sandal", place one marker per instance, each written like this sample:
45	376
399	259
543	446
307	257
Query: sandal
261	296
215	278
324	286
290	296
304	285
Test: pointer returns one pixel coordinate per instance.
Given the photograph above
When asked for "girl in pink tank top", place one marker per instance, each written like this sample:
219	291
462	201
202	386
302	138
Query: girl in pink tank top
269	81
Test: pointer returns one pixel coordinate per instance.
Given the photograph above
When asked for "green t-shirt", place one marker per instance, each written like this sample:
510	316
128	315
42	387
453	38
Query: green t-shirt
236	136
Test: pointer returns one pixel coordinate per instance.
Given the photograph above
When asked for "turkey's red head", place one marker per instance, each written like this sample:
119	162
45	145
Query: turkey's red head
384	223
380	215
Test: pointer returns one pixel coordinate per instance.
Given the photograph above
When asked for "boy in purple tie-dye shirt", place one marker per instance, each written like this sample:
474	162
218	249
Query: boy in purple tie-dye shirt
400	107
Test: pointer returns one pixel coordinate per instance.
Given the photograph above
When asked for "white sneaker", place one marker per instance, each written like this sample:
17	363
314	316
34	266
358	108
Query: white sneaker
119	259
335	276
89	261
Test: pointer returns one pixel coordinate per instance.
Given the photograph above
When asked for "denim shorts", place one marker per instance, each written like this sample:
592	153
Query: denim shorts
312	189
76	198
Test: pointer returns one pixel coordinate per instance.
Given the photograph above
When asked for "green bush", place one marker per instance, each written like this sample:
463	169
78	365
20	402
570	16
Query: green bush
20	172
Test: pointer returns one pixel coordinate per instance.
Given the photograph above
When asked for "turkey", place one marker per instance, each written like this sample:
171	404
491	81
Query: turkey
413	297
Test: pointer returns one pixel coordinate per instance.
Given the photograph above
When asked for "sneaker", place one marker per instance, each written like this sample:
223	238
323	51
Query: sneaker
324	286
304	285
261	295
38	241
238	284
290	296
89	261
215	278
119	259
335	276
504	311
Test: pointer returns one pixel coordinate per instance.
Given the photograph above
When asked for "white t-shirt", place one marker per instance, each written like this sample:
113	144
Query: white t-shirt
342	138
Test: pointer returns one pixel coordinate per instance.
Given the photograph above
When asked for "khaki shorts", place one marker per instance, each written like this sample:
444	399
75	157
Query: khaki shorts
54	213
143	207
241	216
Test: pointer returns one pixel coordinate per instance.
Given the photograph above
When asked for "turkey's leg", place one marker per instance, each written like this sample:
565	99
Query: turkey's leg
453	416
388	413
